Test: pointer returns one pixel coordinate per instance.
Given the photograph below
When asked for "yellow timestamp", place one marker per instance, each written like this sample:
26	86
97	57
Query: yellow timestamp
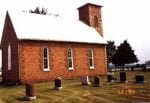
125	91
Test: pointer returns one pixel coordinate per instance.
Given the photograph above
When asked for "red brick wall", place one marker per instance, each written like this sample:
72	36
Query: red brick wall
9	37
31	62
84	14
87	13
96	11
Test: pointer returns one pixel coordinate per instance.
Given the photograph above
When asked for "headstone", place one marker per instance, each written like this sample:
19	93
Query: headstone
30	93
143	68
85	80
97	81
58	83
110	78
139	79
123	77
132	68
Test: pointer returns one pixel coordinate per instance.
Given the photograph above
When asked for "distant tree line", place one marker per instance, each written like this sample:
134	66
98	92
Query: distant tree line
120	55
147	62
37	10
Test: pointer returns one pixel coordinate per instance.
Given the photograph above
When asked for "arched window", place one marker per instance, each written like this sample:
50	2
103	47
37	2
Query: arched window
45	59
95	21
70	59
9	57
91	58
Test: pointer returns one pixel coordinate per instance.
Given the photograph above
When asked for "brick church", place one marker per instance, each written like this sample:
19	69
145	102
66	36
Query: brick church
38	48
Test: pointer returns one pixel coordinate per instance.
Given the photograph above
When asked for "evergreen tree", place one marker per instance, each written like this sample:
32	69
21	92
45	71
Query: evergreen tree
111	48
38	11
124	55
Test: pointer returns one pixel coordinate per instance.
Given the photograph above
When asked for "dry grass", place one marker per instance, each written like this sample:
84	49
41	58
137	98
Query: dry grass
73	92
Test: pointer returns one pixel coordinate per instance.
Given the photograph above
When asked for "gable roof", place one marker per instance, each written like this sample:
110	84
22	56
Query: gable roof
31	26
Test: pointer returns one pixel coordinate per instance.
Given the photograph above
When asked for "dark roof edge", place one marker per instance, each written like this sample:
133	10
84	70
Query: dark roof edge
90	4
61	41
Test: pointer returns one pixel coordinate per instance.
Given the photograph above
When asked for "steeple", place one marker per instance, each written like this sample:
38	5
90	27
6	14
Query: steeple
91	15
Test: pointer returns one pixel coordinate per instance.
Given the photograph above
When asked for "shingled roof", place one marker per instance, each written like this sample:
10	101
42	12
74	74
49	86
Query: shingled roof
31	26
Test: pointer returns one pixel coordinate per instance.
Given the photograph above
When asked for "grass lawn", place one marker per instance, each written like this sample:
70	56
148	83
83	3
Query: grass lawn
73	92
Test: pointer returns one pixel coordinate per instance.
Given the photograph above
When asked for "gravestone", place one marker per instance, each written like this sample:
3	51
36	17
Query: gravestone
30	93
132	68
139	79
123	77
143	68
85	80
58	85
110	78
97	81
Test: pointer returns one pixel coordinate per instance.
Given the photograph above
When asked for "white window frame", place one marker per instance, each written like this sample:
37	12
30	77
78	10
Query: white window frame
70	58
9	57
47	58
91	57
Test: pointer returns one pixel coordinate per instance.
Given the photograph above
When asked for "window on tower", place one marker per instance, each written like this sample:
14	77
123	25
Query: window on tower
95	21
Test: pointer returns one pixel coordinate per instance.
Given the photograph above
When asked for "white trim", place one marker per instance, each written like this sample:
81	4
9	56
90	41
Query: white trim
92	58
70	58
92	67
46	69
9	57
70	68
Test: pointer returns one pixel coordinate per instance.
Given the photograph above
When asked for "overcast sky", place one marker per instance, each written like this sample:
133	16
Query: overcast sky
122	19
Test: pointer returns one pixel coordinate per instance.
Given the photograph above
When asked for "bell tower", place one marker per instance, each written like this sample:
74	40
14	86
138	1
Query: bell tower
91	15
